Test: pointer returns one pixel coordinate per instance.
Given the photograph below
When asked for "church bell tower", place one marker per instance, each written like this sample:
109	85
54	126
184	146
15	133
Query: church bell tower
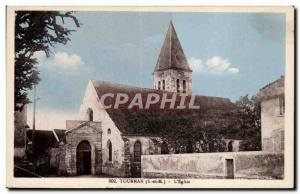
172	72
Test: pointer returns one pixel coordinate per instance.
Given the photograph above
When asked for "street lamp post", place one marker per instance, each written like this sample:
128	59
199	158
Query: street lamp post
33	127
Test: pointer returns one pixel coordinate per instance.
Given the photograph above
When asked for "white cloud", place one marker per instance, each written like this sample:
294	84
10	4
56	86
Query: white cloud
65	60
61	61
196	64
218	64
233	70
215	65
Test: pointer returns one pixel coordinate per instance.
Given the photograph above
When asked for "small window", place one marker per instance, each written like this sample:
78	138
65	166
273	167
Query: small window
184	86
281	105
177	85
164	87
109	147
108	131
90	114
159	85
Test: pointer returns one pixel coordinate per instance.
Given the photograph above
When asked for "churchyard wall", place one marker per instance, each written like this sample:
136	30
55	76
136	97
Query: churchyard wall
256	165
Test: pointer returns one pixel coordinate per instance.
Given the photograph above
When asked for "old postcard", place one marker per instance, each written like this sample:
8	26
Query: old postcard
150	97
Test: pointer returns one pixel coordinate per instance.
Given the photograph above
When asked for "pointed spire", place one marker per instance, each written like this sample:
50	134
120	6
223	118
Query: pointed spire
171	55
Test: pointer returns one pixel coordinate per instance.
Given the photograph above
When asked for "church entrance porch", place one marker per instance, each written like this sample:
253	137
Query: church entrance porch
83	158
81	149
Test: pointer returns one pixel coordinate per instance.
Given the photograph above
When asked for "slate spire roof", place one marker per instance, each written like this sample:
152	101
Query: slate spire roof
171	55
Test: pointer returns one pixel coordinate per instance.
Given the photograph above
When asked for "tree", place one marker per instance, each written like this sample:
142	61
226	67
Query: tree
36	31
183	137
251	124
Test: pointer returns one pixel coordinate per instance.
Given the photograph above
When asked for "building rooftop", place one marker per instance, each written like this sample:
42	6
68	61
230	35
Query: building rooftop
171	55
214	113
272	89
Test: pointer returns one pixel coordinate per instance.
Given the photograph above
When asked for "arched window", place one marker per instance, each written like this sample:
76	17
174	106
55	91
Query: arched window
90	116
108	131
159	85
109	147
177	85
164	87
137	151
184	86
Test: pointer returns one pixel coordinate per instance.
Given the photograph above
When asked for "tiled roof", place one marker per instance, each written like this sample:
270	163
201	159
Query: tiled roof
171	55
214	112
273	89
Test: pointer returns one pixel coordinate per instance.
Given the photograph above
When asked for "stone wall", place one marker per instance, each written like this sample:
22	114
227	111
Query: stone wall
170	76
54	160
149	147
251	165
115	168
274	143
271	125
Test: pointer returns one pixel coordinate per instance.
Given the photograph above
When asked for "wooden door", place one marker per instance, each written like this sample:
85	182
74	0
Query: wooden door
83	158
229	168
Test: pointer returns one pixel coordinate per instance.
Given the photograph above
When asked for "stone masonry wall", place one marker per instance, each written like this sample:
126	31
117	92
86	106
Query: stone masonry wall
170	76
272	123
257	165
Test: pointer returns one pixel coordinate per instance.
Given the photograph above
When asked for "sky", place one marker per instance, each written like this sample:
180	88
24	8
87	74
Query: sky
231	55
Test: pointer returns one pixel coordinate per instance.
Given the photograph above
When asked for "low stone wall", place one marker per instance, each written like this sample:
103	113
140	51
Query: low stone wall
250	165
113	171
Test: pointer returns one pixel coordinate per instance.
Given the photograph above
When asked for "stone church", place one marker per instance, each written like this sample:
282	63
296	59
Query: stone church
111	141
